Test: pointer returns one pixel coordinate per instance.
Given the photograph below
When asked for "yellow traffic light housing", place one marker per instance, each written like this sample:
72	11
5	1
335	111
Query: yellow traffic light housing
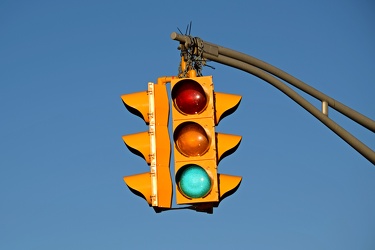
153	145
196	110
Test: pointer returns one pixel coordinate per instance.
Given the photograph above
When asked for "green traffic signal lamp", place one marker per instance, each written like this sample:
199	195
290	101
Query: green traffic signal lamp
193	181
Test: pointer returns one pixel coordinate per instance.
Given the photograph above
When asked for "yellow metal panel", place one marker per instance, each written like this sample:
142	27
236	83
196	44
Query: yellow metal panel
161	105
163	147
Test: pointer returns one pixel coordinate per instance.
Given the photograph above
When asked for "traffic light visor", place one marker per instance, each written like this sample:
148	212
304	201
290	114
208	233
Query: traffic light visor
137	104
225	104
139	144
140	185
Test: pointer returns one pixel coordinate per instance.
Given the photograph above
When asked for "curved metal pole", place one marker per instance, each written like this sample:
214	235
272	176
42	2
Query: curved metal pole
341	132
212	53
350	113
215	50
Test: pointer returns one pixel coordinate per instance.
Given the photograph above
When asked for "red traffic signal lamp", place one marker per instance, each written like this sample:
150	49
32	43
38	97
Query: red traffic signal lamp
153	145
196	110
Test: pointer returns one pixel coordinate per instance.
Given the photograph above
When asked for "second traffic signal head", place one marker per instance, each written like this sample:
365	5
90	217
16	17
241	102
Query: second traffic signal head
153	145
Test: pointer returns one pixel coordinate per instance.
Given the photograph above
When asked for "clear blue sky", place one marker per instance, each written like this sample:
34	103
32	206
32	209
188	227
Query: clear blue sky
64	66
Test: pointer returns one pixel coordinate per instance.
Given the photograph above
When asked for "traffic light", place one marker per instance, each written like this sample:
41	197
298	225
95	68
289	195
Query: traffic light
153	145
196	110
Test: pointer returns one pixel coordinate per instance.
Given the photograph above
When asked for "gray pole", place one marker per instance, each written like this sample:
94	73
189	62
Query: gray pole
264	70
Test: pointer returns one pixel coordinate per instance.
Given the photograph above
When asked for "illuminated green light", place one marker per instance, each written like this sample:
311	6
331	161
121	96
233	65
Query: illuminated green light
194	181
